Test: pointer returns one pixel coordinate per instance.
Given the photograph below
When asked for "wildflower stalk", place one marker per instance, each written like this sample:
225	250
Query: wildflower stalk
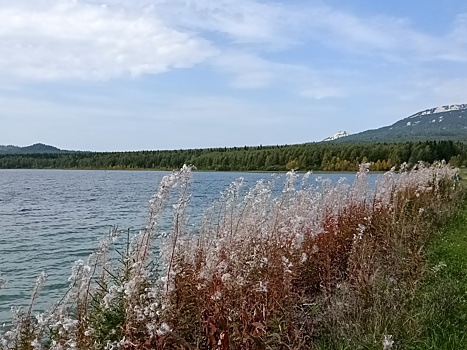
263	271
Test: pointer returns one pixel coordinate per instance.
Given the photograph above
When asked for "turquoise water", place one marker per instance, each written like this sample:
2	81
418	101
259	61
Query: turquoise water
51	218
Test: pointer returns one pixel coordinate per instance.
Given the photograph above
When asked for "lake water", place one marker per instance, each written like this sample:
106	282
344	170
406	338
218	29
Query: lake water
51	218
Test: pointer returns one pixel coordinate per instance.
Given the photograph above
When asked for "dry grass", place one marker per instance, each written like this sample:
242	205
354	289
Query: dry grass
311	268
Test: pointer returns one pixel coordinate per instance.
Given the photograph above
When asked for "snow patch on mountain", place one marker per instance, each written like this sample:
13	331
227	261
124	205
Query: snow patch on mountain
433	115
440	109
337	135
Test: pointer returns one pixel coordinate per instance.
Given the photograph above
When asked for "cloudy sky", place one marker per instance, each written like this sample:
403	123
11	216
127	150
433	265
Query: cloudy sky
169	74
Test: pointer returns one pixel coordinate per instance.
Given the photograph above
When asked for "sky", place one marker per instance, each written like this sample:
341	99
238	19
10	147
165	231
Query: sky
116	75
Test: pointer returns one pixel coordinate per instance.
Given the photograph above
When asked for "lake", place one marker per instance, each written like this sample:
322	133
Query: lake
51	218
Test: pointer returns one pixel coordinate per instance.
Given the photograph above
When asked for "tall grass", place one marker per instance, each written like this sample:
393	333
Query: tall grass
328	267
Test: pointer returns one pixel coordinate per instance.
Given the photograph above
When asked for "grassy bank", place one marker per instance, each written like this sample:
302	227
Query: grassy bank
333	267
442	296
434	314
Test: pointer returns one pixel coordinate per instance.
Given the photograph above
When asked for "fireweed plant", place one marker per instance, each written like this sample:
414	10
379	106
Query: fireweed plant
311	267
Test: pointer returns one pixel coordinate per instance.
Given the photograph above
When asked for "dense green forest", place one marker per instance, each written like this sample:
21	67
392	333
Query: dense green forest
312	156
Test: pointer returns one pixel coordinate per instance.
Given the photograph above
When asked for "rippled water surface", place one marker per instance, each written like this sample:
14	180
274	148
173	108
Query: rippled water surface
51	218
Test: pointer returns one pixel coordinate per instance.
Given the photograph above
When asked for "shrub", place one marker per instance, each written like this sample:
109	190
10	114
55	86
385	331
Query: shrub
308	268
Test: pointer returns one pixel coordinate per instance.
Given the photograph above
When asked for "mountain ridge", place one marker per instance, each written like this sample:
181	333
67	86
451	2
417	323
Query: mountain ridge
441	123
447	122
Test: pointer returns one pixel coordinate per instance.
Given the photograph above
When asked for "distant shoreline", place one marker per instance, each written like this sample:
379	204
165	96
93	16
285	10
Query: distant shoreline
205	171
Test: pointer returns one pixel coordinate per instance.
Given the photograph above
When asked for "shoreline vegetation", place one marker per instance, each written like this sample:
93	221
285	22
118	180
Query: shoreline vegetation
325	157
342	267
194	170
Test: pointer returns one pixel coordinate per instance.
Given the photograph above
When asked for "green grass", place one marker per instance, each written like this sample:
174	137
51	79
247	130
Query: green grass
441	300
463	176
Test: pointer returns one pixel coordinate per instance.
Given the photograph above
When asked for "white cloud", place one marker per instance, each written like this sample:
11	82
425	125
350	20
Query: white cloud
66	39
391	38
280	25
242	21
48	39
257	28
319	92
250	71
313	51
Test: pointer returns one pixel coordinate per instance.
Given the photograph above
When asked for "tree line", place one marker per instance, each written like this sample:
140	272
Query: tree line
311	156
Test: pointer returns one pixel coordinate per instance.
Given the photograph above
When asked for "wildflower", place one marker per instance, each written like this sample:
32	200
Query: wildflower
41	320
67	325
287	265
388	342
263	287
163	329
360	230
439	266
130	286
110	296
240	281
216	296
222	265
36	344
226	277
72	345
40	281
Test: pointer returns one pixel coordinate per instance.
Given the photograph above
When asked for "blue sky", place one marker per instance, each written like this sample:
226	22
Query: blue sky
117	75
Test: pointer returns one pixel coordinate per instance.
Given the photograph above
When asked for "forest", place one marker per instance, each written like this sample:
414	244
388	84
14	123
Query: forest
303	157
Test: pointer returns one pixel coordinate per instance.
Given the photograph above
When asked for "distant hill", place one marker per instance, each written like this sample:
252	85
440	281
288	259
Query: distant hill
445	123
440	123
33	149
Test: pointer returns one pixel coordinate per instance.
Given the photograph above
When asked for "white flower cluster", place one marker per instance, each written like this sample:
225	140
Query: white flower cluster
388	342
243	241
